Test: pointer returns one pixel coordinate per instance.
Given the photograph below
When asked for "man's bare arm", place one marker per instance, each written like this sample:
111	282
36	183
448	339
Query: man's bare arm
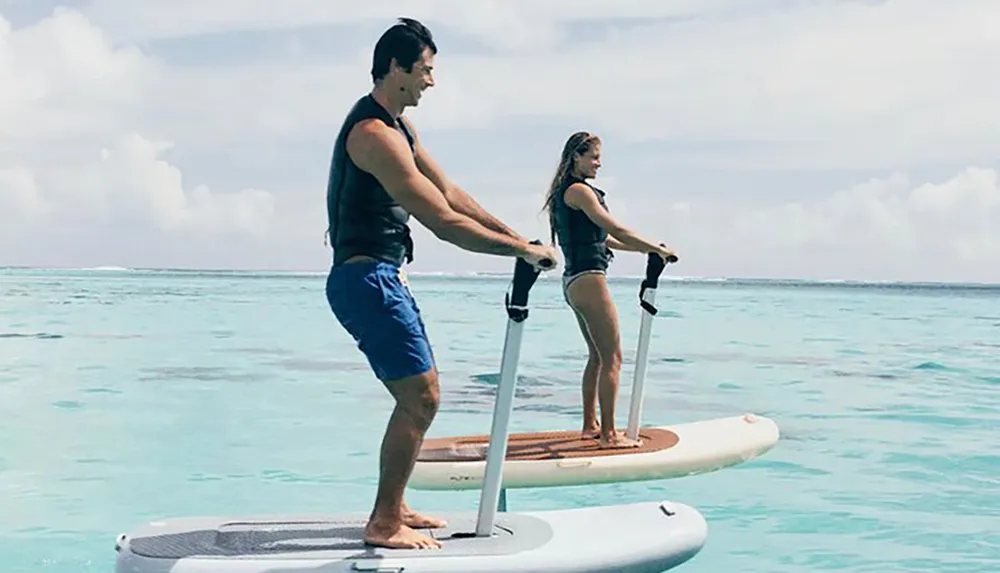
383	152
457	197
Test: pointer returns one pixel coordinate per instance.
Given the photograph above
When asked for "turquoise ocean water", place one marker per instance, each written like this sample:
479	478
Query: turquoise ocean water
131	395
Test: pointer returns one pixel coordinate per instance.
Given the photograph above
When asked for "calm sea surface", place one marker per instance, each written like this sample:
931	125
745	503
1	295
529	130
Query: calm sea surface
132	395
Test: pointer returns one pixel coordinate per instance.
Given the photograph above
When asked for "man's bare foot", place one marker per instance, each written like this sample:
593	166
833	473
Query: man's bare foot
618	440
590	432
399	536
419	521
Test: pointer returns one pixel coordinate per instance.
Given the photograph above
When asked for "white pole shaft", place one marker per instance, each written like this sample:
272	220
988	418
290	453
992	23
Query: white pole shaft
503	406
639	375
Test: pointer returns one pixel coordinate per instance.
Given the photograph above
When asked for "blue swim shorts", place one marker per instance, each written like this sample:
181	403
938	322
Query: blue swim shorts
374	305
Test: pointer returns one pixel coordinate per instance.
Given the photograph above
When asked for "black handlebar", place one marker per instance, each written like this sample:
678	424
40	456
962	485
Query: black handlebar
525	275
654	268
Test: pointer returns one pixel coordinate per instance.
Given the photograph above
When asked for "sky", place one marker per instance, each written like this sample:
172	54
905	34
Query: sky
814	139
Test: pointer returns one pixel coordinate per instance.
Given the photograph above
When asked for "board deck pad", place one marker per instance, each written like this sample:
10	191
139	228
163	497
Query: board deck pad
534	446
321	537
246	538
642	536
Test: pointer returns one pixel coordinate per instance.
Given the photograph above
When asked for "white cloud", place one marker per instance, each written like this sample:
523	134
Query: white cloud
889	87
20	200
128	184
834	84
503	24
62	78
821	84
64	89
883	229
887	228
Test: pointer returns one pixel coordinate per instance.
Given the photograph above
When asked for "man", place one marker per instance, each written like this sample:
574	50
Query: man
379	175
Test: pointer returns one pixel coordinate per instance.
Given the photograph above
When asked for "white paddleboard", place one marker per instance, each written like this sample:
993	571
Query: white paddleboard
648	537
551	459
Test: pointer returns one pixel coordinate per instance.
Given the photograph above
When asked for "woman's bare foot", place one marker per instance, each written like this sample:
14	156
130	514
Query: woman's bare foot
590	432
397	536
618	440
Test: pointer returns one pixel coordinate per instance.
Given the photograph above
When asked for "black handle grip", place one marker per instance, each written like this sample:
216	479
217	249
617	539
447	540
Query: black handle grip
654	267
525	275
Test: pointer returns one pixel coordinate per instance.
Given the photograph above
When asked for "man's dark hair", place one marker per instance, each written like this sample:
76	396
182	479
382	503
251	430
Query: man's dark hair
404	41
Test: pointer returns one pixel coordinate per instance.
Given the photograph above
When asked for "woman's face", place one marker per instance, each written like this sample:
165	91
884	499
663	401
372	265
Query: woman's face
587	164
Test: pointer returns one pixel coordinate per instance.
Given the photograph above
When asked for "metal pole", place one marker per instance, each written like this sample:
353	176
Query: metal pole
490	497
517	312
641	358
647	299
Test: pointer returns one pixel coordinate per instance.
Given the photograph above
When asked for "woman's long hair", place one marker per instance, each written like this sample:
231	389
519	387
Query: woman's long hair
579	143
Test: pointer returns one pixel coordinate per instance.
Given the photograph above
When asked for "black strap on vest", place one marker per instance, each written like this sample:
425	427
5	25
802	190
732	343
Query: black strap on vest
407	239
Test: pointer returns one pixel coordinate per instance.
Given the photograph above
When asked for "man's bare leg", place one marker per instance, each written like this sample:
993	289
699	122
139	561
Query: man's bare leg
392	521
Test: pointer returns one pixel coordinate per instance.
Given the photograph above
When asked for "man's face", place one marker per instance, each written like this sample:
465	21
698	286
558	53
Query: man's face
419	78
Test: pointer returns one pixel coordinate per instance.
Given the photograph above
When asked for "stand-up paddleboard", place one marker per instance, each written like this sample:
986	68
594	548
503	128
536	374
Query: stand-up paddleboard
642	538
563	458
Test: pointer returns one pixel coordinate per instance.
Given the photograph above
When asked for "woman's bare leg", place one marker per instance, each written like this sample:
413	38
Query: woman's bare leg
591	298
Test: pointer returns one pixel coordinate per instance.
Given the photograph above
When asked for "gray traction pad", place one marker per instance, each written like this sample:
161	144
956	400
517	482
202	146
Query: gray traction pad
234	538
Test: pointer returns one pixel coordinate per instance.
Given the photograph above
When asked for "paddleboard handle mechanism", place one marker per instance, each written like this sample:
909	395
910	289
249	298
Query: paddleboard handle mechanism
647	299
525	275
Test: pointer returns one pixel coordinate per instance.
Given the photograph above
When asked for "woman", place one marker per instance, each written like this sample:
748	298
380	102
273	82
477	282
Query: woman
587	233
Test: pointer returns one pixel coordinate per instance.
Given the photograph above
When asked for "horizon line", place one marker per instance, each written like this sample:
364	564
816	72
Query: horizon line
500	274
